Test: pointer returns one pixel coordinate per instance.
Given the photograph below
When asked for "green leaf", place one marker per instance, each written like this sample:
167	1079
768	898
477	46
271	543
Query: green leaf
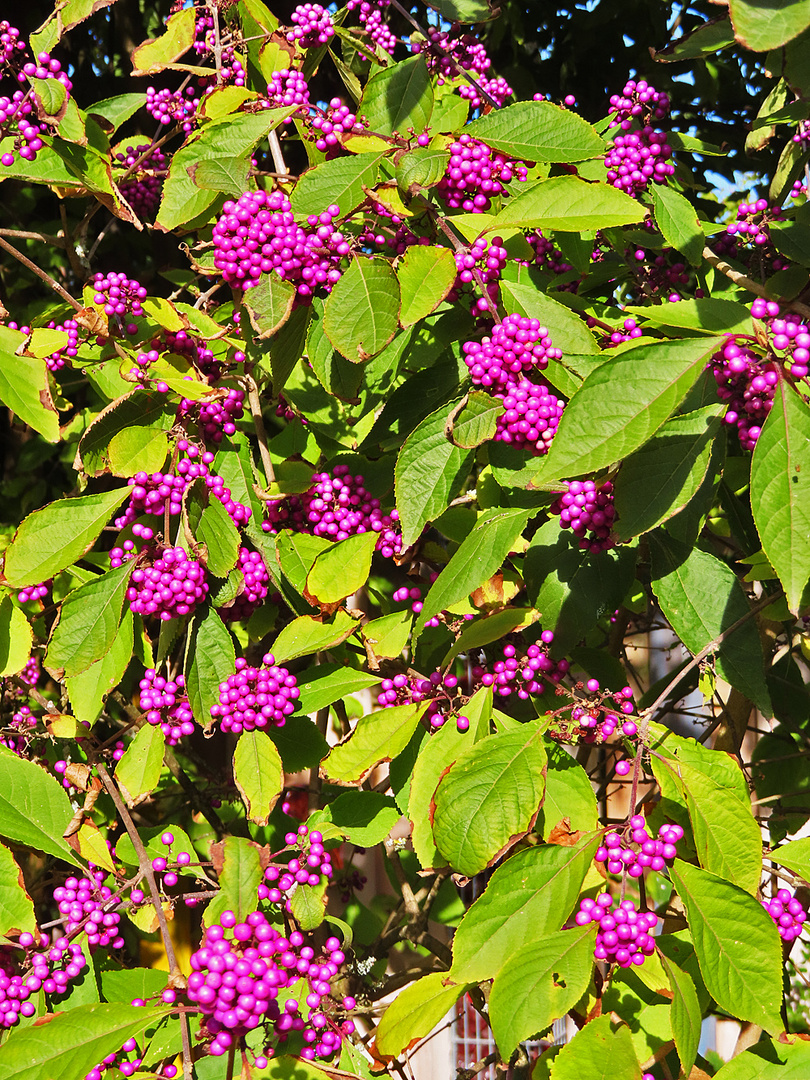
386	637
489	799
709	315
229	175
139	769
795	855
480	554
210	659
685	1014
16	907
125	851
238	882
235	466
220	140
763	26
708	38
341	570
308	905
88	691
528	898
258	773
476	421
622	404
571	587
299	743
296	553
569	204
117	110
398	97
701	597
340	180
538	984
57	535
658	480
677	222
70	1044
88	621
491	628
363	817
24	390
379	736
158	53
769	1061
429	472
426	275
568	331
51	95
361	314
207	522
465	11
16	638
421	168
416	1011
569	794
324	684
597	1052
438	752
737	945
538	131
269	304
780	490
307	635
793	240
34	807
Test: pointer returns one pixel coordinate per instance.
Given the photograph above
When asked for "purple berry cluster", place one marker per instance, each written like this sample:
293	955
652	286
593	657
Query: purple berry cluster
254	697
44	966
258	234
486	260
628	330
56	360
215	418
588	511
498	89
142	188
638	102
35	592
753	220
20	737
547	256
309	865
165	703
532	414
788	914
640	851
288	87
371	19
119	294
337	506
336	121
165	583
254	588
236	977
475	175
748	384
790	336
173	106
88	904
637	159
658	275
413	595
11	45
18	110
442	689
313	26
445	54
624	934
512	348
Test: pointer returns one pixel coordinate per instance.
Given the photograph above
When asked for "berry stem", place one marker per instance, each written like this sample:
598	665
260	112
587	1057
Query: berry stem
747	282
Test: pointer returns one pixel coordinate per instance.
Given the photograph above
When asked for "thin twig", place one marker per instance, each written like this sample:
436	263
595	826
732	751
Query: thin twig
278	158
22	234
261	432
748	283
57	288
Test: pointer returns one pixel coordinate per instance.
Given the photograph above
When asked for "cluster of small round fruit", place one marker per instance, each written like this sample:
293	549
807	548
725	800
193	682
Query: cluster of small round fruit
118	294
655	854
511	349
88	904
443	690
588	511
788	914
216	418
483	261
748	239
56	360
445	54
165	871
20	735
35	592
236	977
337	506
142	190
165	582
258	234
748	384
640	102
27	141
11	47
254	588
658	275
789	335
313	26
178	106
288	87
547	256
413	595
638	158
165	703
629	330
753	220
371	19
497	89
531	417
336	121
596	720
254	697
310	865
475	175
624	934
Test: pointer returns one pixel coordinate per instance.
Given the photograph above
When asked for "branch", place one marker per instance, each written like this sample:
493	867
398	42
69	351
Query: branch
748	283
261	431
57	288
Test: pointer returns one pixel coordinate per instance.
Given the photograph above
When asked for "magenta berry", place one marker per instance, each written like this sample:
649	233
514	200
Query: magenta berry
256	697
624	935
513	348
